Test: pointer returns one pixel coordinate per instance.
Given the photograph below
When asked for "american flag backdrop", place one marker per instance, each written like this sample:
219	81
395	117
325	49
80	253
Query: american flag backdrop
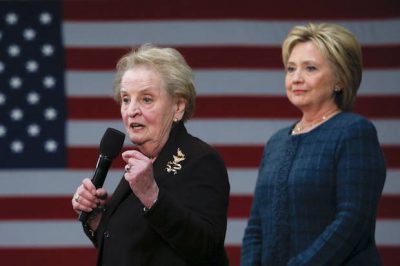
57	62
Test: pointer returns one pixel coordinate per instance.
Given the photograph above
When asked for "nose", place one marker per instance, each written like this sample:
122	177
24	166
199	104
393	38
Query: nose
133	109
297	76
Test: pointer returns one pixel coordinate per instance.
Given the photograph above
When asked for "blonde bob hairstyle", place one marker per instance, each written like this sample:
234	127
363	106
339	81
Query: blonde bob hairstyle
176	75
342	50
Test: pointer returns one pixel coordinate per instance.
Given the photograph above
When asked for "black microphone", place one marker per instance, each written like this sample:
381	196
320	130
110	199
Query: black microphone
110	146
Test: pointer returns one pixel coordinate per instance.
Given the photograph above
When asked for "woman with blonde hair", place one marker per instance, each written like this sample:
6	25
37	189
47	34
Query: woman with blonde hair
320	179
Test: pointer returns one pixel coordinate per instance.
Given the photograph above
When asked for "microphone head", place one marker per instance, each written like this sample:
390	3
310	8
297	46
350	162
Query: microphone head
111	143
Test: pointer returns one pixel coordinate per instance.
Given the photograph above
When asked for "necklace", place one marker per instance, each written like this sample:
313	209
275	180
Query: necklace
300	127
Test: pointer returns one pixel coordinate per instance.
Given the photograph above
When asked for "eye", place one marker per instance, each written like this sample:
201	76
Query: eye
147	99
125	99
311	68
290	69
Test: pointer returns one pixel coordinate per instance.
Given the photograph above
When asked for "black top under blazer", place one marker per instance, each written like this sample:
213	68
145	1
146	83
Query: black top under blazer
187	224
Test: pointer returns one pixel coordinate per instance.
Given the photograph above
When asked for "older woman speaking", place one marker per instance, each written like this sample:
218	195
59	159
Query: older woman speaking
170	207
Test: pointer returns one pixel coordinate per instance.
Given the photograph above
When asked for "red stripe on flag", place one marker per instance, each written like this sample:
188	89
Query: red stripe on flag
101	58
381	56
392	156
92	108
244	107
241	156
233	253
226	57
239	206
20	208
378	106
234	156
390	255
389	207
98	108
48	256
250	156
254	9
87	256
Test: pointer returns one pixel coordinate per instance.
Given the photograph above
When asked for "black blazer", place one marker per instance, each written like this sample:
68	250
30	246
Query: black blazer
187	224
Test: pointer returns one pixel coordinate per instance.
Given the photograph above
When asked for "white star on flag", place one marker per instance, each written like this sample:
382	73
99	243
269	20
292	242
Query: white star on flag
33	130
17	146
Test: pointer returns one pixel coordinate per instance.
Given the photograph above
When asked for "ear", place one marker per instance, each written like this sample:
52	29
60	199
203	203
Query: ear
180	107
338	87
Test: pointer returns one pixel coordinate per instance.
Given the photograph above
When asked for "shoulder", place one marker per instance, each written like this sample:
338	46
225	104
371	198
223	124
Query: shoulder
198	148
279	137
190	147
350	123
201	159
348	119
181	139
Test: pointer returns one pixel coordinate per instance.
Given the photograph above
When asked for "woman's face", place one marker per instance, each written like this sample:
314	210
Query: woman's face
310	79
147	109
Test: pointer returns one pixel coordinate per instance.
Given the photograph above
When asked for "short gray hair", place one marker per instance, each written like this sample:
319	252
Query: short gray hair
176	74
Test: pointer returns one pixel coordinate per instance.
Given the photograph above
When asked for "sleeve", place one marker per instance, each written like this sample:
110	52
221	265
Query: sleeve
196	227
251	246
251	252
360	176
90	234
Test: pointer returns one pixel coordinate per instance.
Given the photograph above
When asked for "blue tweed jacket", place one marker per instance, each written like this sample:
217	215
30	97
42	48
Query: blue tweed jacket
316	197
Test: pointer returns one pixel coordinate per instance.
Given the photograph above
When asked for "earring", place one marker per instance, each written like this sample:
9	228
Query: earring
175	119
336	89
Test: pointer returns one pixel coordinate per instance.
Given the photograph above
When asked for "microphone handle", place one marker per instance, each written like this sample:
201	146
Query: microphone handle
99	176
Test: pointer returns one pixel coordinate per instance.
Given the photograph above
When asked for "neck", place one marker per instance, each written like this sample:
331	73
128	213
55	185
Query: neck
306	125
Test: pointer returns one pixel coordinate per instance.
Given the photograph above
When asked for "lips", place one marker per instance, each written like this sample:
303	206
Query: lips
136	125
298	91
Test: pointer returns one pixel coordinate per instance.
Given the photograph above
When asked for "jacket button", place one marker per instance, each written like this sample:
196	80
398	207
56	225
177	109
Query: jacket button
107	234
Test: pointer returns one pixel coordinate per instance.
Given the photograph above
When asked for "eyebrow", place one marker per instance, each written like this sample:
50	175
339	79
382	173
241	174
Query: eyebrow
304	62
142	91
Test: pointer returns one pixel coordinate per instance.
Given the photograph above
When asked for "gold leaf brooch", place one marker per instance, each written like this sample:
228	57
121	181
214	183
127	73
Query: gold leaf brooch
174	165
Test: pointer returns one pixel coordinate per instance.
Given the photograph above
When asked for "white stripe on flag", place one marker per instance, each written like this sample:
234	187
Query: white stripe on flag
62	233
217	131
386	232
53	183
212	32
230	82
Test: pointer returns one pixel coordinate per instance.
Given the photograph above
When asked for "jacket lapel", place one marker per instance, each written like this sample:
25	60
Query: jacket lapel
159	166
121	192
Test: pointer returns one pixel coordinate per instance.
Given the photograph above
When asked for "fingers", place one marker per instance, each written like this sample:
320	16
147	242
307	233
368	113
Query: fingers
86	198
101	193
88	185
87	194
126	155
137	162
139	175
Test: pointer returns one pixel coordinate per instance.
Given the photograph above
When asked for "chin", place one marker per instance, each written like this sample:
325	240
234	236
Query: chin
134	138
298	101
